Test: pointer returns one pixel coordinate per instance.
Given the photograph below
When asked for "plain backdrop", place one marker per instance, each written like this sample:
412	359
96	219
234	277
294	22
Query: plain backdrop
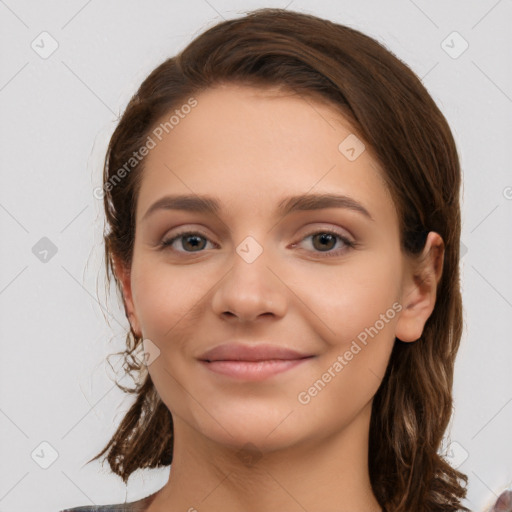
68	70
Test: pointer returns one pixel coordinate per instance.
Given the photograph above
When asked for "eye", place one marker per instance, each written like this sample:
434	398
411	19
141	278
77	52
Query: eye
188	240
324	240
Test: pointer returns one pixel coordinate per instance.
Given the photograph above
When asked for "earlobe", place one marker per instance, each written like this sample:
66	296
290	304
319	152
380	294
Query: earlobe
419	289
123	275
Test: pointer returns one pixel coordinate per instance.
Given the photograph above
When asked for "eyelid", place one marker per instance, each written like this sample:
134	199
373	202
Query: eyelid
319	227
310	231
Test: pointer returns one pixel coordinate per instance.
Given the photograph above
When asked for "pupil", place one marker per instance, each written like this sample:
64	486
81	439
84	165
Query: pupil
195	238
325	237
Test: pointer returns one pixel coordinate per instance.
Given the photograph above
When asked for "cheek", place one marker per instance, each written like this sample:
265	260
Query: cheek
351	298
167	298
360	309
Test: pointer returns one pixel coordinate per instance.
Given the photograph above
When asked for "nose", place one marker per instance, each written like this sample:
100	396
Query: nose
250	289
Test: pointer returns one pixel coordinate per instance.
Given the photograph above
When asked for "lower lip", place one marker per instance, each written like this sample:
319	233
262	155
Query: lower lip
253	370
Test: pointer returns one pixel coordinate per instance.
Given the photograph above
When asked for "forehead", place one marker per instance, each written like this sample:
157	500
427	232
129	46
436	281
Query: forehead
251	147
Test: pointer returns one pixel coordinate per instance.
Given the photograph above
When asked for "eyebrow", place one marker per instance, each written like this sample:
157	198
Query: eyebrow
304	202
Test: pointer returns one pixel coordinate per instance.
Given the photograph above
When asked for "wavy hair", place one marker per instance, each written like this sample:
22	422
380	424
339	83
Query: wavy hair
400	123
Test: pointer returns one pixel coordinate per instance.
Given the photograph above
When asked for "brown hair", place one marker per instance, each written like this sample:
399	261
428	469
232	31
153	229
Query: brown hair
401	124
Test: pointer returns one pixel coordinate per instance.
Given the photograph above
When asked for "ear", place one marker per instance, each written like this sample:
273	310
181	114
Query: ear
123	274
419	289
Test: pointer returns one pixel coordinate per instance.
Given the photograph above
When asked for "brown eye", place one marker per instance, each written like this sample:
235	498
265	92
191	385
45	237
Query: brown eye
325	240
189	241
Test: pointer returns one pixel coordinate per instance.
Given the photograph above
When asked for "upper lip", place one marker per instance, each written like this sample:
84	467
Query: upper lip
260	352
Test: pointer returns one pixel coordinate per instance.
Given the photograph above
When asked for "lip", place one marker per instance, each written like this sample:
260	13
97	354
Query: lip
254	370
253	353
252	362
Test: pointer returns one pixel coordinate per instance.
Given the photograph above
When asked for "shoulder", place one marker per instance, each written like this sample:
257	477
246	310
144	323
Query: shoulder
132	506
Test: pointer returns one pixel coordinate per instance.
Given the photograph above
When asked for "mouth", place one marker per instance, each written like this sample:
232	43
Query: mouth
252	362
254	370
251	353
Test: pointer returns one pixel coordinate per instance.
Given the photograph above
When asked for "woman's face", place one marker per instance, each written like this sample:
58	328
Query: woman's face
257	271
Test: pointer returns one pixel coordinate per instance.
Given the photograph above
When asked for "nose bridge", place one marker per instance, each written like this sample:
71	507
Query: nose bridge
249	288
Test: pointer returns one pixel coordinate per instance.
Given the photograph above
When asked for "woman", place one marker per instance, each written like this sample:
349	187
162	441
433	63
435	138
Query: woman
282	204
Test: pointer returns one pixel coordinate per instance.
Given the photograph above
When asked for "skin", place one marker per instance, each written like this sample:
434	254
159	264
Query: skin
250	148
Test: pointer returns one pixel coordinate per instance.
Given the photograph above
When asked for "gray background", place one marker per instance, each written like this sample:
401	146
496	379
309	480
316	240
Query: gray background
59	404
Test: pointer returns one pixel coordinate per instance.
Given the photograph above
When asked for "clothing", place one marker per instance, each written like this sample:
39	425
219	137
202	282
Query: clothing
133	506
503	504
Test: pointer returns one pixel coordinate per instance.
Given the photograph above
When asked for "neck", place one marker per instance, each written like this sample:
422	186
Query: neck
319	474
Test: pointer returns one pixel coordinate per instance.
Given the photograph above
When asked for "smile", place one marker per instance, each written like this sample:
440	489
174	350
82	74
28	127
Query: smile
253	370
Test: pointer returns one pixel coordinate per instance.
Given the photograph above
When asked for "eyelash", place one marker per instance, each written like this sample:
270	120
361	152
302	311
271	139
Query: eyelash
165	244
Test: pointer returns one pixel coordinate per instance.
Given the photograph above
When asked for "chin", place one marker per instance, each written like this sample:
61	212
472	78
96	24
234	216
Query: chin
260	433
